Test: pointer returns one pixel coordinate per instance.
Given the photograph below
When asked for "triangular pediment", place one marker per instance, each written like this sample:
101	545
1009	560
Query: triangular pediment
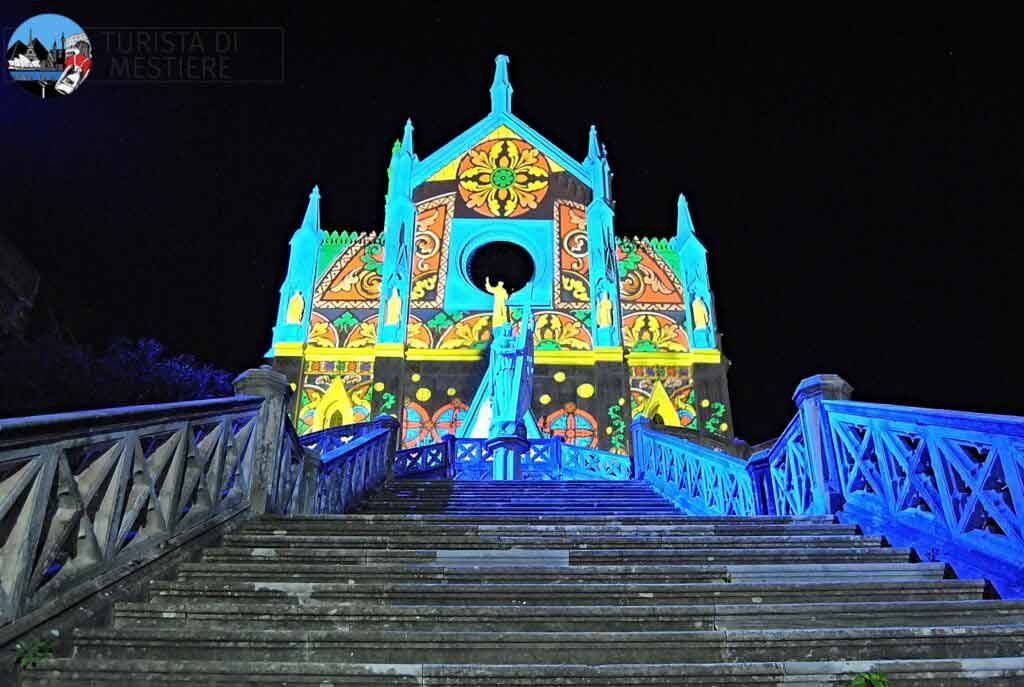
442	164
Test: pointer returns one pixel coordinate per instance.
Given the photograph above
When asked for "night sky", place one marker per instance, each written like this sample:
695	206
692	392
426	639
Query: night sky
858	188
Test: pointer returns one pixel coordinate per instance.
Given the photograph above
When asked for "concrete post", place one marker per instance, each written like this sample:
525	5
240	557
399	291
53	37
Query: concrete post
273	387
828	492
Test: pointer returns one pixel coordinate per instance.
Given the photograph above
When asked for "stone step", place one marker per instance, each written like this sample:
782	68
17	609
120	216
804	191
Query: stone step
549	519
321	563
429	540
567	592
589	648
503	512
503	571
985	672
419	528
343	616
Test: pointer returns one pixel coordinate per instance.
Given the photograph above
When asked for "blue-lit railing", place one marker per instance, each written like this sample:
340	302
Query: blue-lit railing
547	459
350	461
949	484
697	479
421	460
581	462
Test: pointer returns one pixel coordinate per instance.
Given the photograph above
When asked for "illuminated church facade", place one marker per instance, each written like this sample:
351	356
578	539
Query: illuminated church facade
399	321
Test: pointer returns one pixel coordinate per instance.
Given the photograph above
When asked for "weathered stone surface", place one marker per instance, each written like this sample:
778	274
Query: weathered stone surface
560	584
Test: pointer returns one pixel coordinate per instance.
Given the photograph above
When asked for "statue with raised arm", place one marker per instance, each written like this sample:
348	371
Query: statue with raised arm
499	315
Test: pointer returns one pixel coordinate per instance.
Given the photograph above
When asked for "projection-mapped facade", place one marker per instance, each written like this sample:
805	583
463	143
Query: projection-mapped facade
400	321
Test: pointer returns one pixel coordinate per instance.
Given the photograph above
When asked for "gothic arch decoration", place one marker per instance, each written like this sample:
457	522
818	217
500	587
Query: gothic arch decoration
659	405
646	281
470	332
572	257
335	407
417	334
559	331
651	331
353	279
430	251
575	426
505	177
364	334
321	332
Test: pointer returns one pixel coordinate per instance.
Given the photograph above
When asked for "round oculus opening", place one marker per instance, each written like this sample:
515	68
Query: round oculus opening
501	261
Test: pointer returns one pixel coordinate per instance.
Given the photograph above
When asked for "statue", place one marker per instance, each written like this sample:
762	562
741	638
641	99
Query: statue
701	318
296	308
500	313
604	310
394	310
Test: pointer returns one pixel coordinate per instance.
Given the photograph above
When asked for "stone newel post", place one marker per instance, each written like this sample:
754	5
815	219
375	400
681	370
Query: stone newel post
828	491
269	432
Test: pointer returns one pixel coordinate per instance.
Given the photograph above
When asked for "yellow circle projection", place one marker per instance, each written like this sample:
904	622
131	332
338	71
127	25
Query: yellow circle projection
451	391
585	390
379	386
544	399
622	401
607	430
724	426
415	376
705	403
559	377
423	394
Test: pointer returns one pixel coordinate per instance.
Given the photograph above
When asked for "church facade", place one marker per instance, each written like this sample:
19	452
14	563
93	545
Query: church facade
399	321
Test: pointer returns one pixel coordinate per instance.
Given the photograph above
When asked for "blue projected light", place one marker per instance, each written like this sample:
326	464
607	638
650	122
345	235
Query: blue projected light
469	234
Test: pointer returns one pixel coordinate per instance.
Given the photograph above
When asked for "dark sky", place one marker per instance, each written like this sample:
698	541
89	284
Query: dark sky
858	187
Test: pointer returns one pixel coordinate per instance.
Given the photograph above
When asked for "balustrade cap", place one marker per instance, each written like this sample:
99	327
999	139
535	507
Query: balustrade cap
829	387
262	381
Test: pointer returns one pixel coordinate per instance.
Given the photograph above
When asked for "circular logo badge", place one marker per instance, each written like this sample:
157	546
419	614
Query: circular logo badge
49	55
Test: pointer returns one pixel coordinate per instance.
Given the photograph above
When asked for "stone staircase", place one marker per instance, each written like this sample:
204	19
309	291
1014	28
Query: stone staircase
549	583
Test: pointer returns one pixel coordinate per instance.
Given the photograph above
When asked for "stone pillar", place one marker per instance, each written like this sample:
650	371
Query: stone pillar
273	387
828	491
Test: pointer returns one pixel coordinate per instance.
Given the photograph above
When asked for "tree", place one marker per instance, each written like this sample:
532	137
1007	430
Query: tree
50	374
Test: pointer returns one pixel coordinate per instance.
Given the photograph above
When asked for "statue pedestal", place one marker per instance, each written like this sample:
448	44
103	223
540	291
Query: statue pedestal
506	454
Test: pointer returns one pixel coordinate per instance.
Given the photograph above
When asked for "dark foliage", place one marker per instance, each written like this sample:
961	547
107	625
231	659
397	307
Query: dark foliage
50	375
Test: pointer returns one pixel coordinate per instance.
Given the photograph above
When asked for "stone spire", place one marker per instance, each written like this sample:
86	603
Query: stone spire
501	89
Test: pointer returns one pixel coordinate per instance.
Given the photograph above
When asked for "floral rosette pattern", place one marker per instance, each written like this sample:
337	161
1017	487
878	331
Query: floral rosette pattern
503	178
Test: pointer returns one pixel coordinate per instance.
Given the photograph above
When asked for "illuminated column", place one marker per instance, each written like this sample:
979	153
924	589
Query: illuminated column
399	229
296	294
701	322
604	271
610	375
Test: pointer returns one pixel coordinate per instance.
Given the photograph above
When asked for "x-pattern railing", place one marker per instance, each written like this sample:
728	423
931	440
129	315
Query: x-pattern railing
696	478
80	491
962	471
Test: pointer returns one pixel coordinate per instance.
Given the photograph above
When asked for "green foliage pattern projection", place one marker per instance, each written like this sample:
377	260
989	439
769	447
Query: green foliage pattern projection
714	422
618	425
